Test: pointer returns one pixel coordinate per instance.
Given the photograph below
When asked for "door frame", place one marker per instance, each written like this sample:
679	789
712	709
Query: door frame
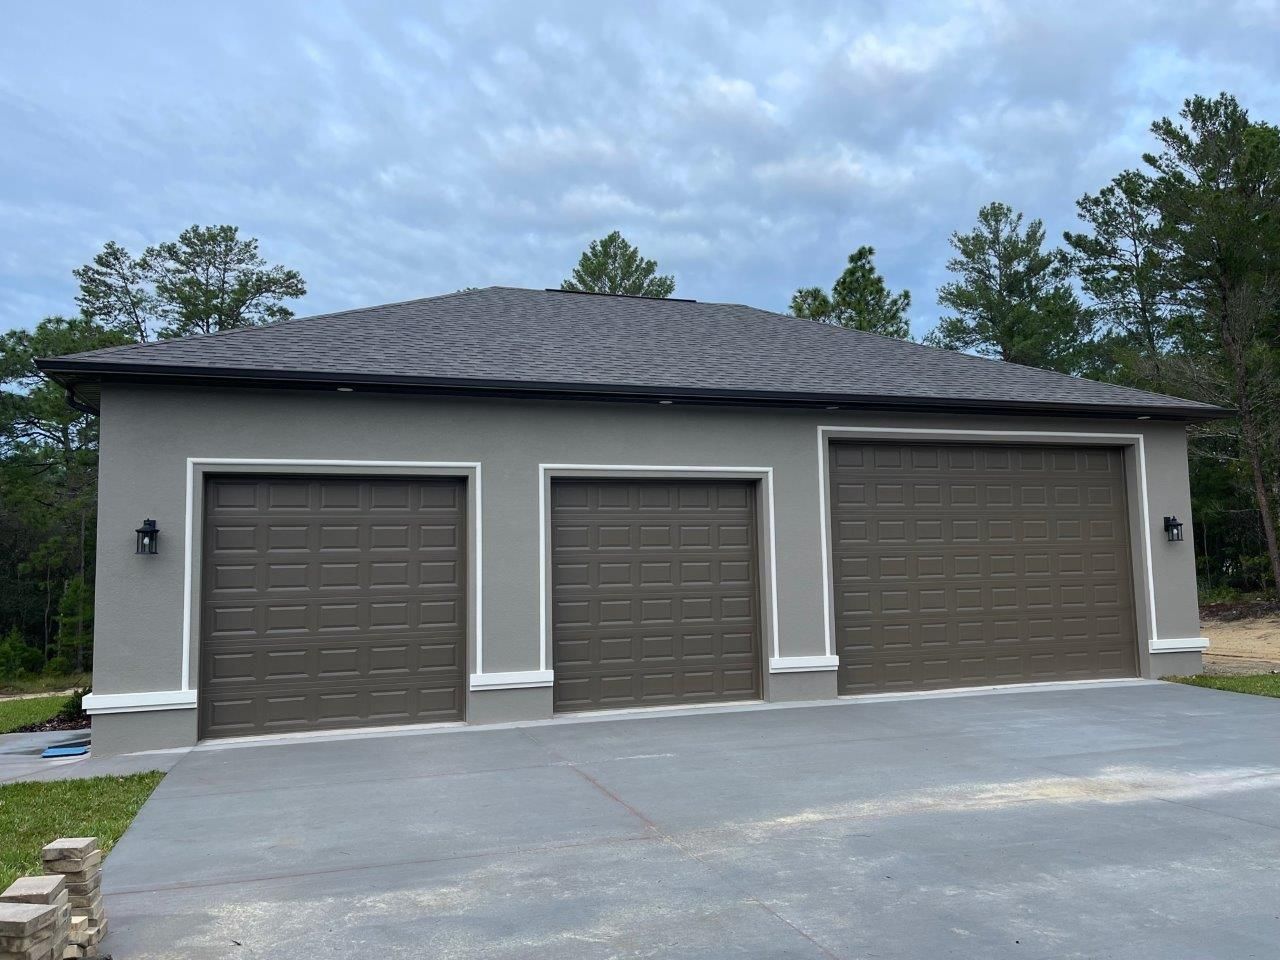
766	562
1135	468
199	469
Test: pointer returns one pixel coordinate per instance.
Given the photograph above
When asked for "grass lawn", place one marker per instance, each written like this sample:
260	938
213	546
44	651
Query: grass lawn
19	713
1262	684
69	681
33	814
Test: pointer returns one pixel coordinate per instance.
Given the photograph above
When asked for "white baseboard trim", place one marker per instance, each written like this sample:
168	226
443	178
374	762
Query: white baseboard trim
516	680
95	703
1187	645
802	664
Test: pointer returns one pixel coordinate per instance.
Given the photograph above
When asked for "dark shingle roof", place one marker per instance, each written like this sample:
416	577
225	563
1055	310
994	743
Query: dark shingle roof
553	342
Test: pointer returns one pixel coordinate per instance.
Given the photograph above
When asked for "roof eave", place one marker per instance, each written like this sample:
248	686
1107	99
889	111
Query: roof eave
72	372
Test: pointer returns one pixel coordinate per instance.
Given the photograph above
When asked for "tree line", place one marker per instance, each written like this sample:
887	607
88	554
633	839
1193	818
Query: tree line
208	279
1172	284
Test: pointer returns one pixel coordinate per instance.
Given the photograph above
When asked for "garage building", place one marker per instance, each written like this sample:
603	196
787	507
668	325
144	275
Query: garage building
507	504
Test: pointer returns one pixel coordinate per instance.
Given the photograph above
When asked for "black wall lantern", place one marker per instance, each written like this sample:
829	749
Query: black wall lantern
148	537
1173	529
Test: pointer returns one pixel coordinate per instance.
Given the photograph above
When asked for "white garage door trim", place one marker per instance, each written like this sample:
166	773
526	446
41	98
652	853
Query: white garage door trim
197	467
1134	441
606	471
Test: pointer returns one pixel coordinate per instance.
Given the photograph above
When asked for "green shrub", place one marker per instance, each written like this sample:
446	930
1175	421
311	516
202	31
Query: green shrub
59	666
73	709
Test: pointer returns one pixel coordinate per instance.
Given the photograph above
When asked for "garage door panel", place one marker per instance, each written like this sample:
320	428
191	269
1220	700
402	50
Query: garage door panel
277	710
294	537
320	592
230	539
274	618
896	642
919	602
356	655
686	565
967	667
1021	561
331	582
955	555
656	687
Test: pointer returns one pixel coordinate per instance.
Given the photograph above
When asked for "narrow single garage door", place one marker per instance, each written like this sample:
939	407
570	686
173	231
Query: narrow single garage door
959	565
331	602
654	593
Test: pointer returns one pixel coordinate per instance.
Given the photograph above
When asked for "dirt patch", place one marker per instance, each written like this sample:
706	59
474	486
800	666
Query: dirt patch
1240	644
1243	609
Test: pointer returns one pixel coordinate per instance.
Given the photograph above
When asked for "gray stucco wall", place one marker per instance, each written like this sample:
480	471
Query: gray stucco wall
148	434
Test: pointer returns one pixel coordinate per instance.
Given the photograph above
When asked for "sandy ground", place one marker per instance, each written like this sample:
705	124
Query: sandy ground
1247	645
36	696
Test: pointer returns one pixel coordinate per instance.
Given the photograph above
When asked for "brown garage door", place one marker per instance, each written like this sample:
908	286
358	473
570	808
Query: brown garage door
654	593
331	602
959	565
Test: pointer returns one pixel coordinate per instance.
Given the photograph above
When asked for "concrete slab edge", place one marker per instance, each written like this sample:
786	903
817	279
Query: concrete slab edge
606	716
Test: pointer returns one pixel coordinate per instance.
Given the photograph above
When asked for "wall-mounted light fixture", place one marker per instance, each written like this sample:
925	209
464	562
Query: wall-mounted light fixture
1173	529
148	537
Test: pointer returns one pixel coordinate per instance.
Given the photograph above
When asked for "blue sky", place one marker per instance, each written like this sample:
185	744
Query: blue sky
394	150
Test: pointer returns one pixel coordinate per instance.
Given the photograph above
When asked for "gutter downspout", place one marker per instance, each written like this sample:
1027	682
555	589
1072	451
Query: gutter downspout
75	403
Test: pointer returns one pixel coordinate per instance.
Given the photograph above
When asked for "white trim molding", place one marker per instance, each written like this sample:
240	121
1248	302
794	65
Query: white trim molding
95	703
803	664
1134	441
514	680
198	467
1188	645
549	471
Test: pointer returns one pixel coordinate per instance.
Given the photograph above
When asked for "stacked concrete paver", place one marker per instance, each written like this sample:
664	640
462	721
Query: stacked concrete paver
58	915
35	919
78	861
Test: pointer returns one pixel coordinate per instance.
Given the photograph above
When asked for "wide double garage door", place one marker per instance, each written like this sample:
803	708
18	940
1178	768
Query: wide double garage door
960	565
331	602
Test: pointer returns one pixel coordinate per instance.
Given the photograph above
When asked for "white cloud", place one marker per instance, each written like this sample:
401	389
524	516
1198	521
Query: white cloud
397	150
599	201
734	99
840	171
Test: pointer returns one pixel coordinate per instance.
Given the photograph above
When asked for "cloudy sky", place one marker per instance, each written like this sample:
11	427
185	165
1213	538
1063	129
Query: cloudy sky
394	150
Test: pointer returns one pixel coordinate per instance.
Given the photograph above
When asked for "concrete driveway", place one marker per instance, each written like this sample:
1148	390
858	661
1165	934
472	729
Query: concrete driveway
1128	820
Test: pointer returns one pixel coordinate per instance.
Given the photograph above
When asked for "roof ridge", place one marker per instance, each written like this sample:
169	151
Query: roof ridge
627	296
